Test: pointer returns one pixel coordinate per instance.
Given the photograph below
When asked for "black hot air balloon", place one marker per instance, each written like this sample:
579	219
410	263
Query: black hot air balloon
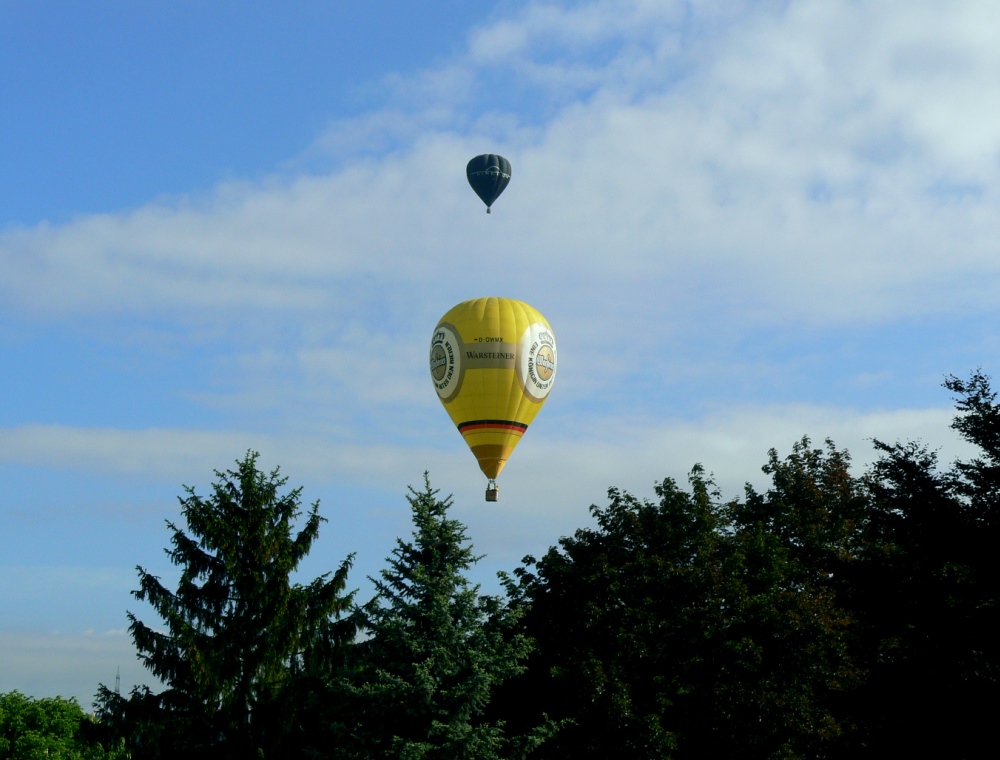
488	174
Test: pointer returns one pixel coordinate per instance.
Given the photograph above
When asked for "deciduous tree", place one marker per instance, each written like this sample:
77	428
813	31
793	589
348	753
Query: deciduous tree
50	728
623	615
932	601
690	628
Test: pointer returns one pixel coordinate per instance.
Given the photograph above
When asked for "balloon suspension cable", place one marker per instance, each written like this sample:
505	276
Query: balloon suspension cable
492	490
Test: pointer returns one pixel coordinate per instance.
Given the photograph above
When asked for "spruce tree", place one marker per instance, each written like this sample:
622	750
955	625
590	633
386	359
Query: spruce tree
435	651
237	631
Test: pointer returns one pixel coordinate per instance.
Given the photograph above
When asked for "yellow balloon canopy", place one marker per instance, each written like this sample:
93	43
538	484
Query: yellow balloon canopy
493	363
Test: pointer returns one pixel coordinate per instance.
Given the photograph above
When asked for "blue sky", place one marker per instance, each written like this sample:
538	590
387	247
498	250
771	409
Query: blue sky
230	225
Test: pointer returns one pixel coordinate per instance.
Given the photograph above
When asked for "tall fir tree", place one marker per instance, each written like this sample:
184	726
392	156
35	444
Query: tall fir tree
237	632
435	651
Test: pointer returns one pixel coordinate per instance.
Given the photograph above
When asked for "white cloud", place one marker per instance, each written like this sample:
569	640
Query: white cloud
732	444
24	583
49	663
565	466
773	167
180	455
546	28
821	162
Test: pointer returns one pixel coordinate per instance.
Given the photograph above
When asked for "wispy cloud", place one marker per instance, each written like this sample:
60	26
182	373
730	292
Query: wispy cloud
813	161
683	173
563	463
68	664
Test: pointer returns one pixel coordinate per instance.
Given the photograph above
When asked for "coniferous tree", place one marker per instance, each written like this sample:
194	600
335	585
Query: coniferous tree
435	651
238	632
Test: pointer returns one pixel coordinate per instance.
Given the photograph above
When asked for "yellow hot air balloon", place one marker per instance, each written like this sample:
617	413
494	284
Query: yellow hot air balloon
493	363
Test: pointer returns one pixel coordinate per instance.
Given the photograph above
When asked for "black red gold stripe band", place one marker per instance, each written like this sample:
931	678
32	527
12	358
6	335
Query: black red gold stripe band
514	427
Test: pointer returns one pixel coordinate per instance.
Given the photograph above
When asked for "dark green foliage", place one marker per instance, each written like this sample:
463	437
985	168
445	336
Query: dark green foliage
618	614
931	607
791	662
50	728
240	637
435	650
691	628
827	616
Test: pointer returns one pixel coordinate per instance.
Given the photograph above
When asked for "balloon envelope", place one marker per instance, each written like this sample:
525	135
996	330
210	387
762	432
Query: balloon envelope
493	363
488	174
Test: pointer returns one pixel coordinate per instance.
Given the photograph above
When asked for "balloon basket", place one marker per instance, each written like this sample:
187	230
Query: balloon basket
492	491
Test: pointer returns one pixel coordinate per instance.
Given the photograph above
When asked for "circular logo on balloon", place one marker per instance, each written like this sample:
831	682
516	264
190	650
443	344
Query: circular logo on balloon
445	361
439	363
536	361
545	363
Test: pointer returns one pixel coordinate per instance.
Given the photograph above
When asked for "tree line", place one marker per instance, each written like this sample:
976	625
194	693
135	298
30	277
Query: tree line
830	615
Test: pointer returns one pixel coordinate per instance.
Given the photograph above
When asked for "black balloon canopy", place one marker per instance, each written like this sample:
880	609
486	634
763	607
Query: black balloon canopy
488	174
